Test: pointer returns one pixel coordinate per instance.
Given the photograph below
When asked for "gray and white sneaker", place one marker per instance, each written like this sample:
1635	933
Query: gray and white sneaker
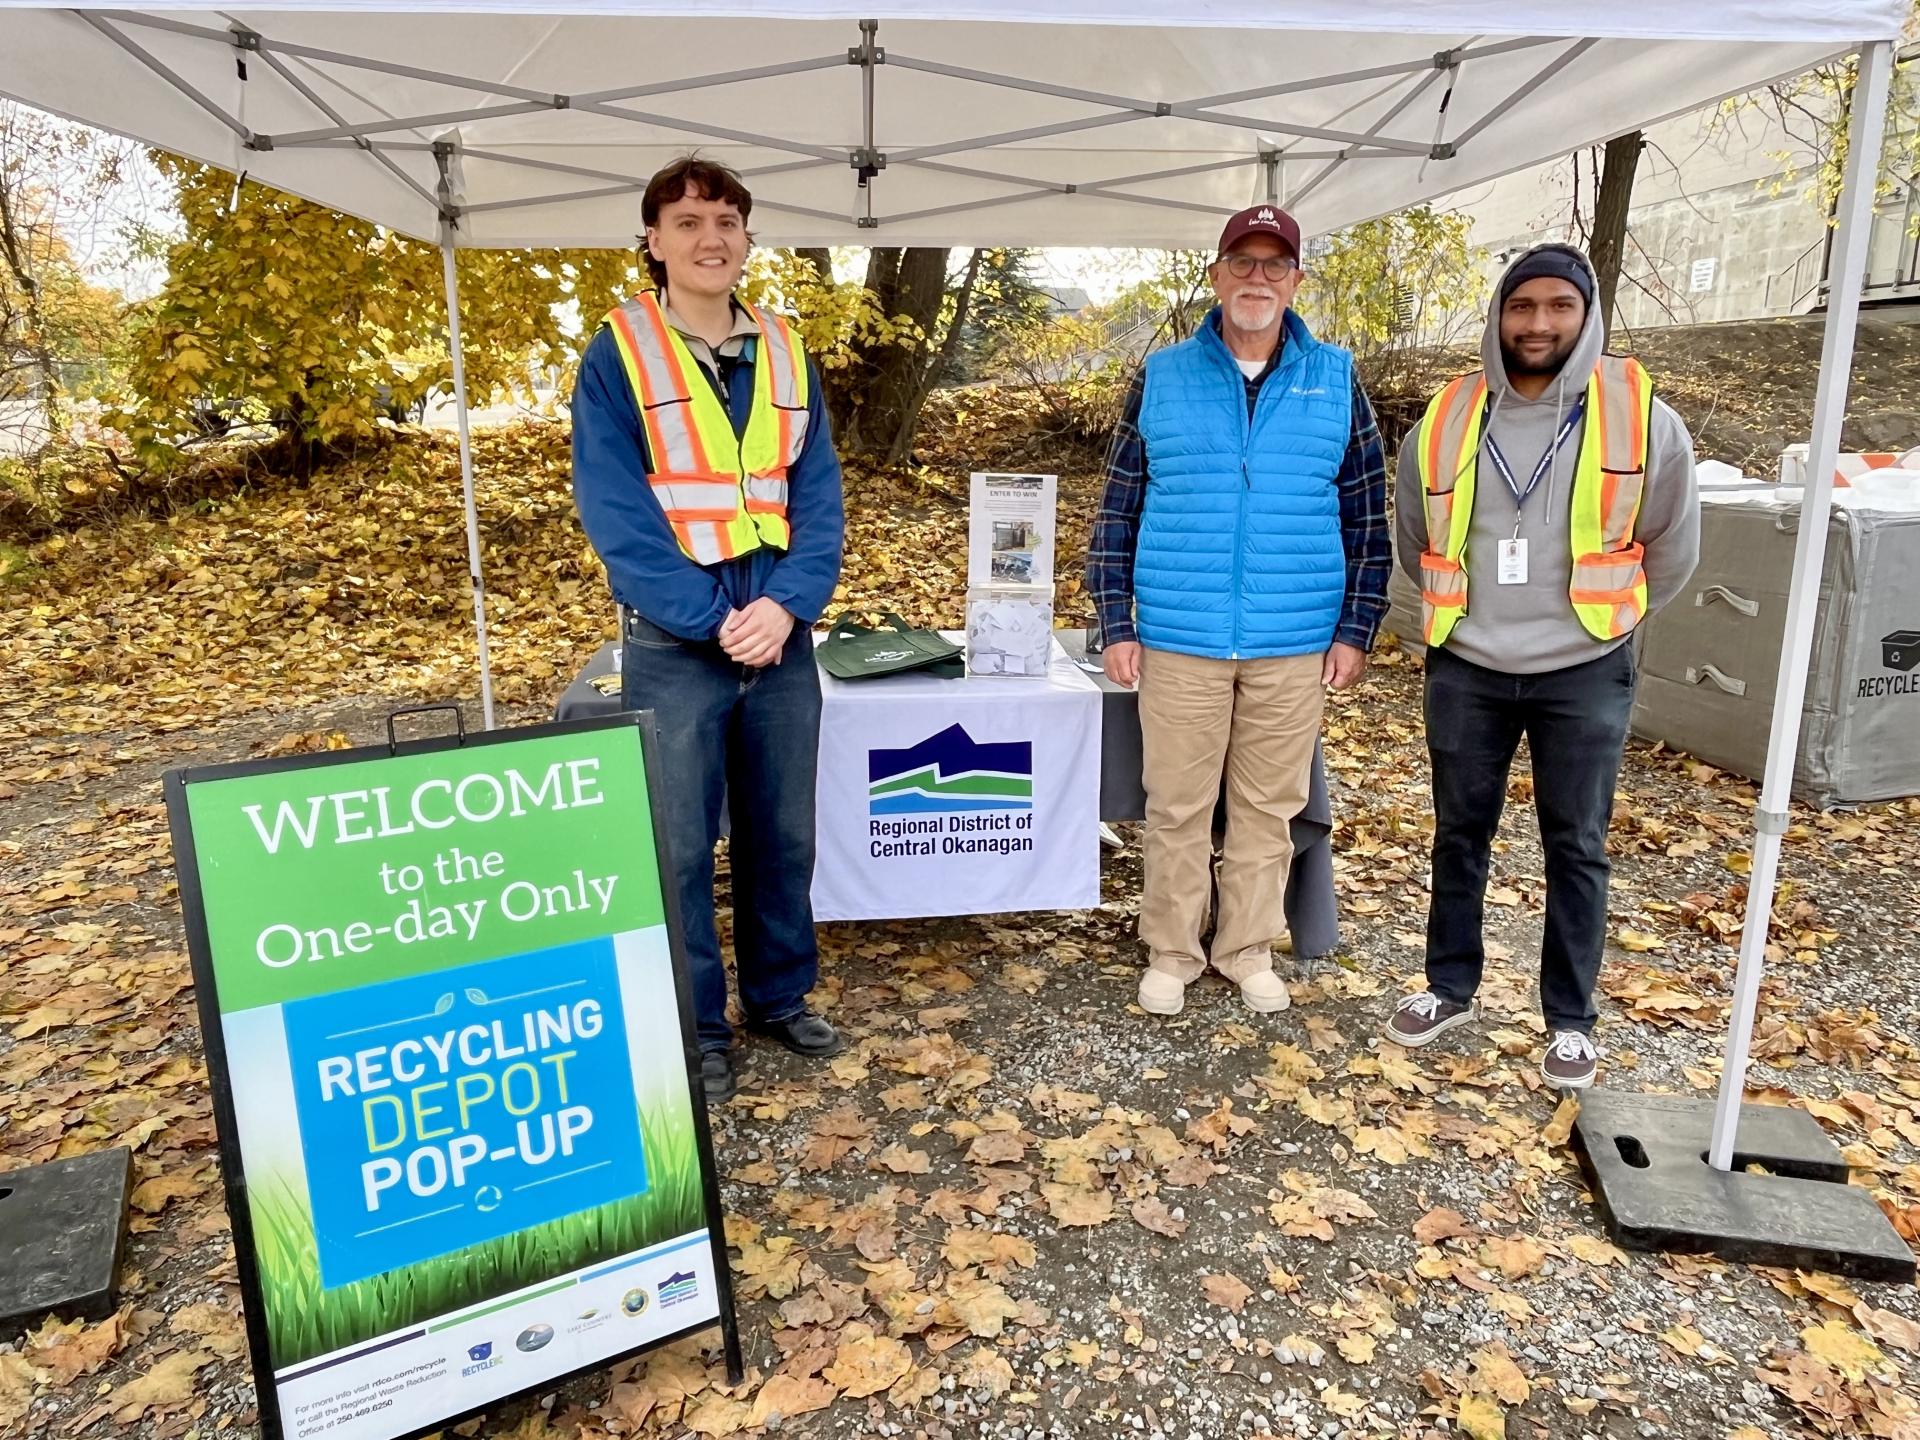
1570	1062
1424	1017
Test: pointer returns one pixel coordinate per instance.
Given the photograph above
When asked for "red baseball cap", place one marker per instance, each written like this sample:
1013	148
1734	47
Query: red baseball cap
1262	220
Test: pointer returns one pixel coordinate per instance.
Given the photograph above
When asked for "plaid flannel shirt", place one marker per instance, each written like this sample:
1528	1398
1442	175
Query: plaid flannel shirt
1364	532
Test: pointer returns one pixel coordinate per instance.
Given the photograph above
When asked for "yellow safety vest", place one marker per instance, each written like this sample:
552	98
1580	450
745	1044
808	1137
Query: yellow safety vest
1609	586
724	495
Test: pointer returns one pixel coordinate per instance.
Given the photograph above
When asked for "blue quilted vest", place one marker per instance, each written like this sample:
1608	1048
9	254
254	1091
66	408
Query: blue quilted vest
1240	555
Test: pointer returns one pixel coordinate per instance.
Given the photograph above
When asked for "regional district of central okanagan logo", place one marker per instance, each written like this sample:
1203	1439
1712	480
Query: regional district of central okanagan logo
950	772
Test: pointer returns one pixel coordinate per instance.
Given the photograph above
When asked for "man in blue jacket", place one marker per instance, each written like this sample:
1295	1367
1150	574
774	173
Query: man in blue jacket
1239	566
707	482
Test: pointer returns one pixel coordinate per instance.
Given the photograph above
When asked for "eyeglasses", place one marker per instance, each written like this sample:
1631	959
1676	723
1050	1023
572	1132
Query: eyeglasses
1274	267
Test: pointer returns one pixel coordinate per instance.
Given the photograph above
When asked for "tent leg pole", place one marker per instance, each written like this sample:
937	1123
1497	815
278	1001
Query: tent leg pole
1845	279
466	475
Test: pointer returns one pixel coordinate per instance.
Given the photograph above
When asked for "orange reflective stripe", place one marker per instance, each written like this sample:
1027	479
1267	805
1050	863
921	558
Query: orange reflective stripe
1636	412
1597	412
767	494
700	540
1621	492
695	497
635	362
1618	398
656	317
1628	596
1435	424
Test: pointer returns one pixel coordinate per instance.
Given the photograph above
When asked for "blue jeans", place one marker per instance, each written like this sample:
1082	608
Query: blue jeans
1575	721
749	738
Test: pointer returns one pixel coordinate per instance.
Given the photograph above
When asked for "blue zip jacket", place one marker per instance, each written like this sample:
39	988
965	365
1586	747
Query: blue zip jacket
1240	553
646	567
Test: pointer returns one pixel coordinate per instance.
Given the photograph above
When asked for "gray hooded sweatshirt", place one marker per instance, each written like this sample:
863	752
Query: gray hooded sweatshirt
1531	628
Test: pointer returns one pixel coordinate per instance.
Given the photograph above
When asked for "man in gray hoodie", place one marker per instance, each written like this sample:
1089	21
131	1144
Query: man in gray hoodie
1555	489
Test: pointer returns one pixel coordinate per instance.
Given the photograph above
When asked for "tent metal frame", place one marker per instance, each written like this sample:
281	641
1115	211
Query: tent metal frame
1847	272
868	161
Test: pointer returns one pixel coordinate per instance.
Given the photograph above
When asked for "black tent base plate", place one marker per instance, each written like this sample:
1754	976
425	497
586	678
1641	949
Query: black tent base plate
62	1226
1645	1157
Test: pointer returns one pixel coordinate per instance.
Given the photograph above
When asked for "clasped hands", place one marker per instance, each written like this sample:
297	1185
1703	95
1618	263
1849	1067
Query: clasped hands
757	635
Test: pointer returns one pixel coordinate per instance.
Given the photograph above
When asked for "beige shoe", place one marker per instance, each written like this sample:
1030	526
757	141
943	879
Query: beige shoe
1162	994
1265	992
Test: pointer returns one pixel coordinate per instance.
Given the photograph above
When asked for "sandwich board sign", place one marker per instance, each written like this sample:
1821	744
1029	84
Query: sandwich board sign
455	1074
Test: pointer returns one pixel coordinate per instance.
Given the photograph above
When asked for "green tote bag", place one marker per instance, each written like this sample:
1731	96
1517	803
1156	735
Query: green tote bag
853	651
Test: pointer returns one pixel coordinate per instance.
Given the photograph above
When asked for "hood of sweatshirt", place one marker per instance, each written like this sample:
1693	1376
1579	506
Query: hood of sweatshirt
1563	391
1587	350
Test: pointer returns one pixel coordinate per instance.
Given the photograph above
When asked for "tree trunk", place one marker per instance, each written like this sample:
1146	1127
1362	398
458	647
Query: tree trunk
908	283
1610	208
836	393
910	423
16	245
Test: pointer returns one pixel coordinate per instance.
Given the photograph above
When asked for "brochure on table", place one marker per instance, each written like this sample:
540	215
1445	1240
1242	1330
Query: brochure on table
1010	530
446	1019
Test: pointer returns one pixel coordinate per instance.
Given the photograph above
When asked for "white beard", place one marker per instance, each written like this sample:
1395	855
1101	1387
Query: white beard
1254	313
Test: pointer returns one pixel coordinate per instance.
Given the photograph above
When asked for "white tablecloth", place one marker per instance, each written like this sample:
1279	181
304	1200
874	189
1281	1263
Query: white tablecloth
958	797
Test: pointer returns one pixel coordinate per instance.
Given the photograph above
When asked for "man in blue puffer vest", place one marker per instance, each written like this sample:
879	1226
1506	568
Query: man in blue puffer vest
1239	565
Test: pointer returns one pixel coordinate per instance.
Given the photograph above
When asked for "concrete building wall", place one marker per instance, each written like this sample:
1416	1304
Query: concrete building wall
1712	234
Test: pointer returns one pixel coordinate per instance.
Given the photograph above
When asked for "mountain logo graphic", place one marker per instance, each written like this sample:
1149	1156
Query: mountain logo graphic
950	772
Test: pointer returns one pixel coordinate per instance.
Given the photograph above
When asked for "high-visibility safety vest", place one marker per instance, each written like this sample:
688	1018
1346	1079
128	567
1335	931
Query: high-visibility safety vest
1609	586
724	494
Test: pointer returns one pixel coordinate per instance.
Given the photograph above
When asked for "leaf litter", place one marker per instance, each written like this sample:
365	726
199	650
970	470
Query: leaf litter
1016	1205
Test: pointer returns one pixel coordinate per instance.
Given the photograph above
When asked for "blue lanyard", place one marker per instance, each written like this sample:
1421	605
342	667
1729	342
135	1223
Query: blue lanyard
1520	497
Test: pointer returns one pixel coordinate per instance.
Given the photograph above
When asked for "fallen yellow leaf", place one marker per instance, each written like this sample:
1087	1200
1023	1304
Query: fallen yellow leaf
1481	1419
1844	1348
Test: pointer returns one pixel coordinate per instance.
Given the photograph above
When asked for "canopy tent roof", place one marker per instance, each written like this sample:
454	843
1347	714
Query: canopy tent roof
1111	122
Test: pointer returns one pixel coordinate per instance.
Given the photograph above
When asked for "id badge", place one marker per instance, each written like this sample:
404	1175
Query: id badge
1513	562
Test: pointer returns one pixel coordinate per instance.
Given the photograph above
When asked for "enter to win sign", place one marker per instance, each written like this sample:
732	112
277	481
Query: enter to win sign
453	1072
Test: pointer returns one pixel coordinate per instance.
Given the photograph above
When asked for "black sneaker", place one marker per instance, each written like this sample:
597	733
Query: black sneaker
805	1034
1570	1062
717	1077
1424	1017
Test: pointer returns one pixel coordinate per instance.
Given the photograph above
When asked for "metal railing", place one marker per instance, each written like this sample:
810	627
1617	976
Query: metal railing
1806	274
1893	262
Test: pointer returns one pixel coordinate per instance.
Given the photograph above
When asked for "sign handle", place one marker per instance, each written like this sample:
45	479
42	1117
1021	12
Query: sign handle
459	722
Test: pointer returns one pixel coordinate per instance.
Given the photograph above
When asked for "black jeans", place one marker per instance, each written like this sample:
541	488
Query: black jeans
749	739
1575	721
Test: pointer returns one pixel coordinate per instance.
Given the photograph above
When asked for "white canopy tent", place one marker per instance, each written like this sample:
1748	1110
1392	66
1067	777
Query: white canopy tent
963	122
1110	123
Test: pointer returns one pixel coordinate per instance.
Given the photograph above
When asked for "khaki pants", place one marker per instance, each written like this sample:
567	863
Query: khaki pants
1256	722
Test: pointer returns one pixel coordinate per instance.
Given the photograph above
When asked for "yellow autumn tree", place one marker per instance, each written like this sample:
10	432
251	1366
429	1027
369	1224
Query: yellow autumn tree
280	310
